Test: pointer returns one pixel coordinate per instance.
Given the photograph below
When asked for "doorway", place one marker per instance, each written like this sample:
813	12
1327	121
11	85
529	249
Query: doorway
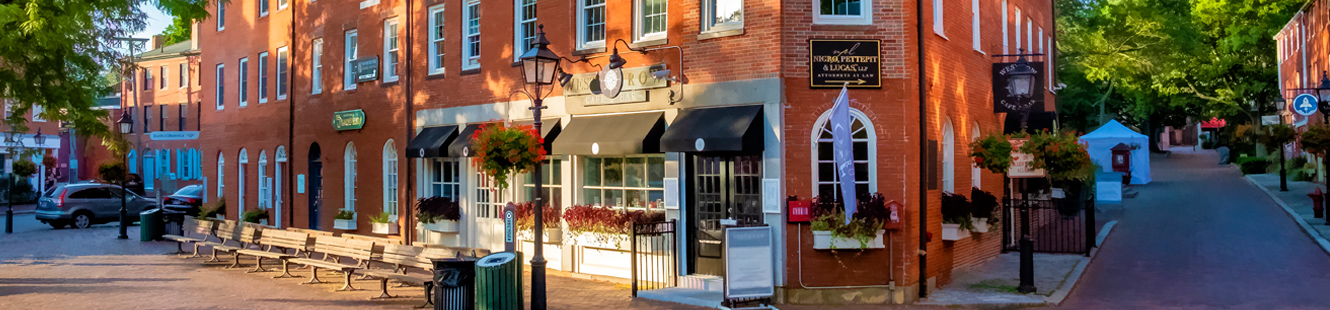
315	185
726	189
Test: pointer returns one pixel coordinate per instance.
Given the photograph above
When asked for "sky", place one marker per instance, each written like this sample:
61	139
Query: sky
157	21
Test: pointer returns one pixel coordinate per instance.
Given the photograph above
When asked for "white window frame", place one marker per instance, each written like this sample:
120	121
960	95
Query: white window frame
184	116
391	48
282	4
436	38
242	87
316	76
368	3
264	197
37	111
1048	61
623	181
283	69
263	77
519	29
640	19
221	173
938	11
161	84
350	50
470	59
974	25
240	181
263	8
1005	24
1041	40
865	16
350	177
437	175
220	90
1017	20
582	40
184	75
221	15
486	196
1029	34
709	10
948	146
390	179
871	141
976	173
280	157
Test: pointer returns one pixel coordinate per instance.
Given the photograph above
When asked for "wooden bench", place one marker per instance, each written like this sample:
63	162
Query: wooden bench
339	247
282	241
231	232
199	229
405	257
312	233
377	252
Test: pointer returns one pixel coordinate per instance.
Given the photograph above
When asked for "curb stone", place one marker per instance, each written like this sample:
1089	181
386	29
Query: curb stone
1075	275
1307	228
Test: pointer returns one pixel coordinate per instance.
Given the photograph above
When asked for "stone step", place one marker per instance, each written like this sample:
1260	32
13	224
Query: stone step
702	282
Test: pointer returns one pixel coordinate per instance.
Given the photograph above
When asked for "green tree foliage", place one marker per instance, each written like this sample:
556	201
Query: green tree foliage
1157	63
178	31
54	53
24	168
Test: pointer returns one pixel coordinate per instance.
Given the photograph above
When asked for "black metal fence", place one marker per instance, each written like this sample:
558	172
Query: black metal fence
652	249
1056	226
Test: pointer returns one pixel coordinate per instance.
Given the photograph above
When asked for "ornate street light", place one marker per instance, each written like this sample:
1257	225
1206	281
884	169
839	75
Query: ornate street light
39	139
1282	105
1020	80
126	123
1323	94
539	66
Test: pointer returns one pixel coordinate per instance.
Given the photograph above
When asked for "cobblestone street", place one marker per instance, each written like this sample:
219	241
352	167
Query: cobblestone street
41	268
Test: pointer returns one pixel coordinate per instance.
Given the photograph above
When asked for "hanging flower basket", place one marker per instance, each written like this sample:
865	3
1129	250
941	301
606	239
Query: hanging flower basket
503	150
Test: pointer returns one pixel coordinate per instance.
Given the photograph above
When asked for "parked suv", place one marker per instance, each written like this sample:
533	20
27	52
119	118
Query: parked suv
82	205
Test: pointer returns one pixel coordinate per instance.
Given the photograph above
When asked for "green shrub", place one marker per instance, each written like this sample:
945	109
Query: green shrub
253	216
1252	165
345	215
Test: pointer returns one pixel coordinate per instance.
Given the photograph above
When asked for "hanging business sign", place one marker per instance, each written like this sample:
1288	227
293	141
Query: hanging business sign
366	69
630	79
1020	162
611	81
851	63
1304	104
1004	102
749	271
349	120
173	135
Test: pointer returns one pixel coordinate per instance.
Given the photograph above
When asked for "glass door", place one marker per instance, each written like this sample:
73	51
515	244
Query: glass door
726	190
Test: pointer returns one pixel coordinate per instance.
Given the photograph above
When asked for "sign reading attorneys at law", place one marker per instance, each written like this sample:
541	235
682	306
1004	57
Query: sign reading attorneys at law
1003	102
834	63
349	120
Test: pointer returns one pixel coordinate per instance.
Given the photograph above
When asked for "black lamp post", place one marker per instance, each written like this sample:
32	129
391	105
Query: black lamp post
1283	175
1020	84
9	213
539	66
126	123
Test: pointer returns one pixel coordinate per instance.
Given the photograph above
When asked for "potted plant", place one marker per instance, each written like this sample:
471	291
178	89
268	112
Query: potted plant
526	222
605	227
956	211
219	212
863	230
985	205
383	224
257	216
438	214
345	220
992	152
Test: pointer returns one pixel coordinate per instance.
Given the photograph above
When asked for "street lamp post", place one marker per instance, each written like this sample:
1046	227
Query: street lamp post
1283	175
9	213
539	66
1020	84
126	123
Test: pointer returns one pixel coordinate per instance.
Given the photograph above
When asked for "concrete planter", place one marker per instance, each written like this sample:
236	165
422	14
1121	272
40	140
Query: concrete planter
980	224
823	240
428	236
553	235
344	224
384	228
445	226
953	232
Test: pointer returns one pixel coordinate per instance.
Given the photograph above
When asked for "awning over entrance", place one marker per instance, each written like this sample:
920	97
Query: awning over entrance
727	129
430	142
549	130
461	147
1037	121
612	135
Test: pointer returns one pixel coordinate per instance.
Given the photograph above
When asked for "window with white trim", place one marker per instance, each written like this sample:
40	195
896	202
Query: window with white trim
444	178
282	70
976	177
1005	24
263	77
948	157
1048	61
183	75
349	177
184	109
316	77
37	112
650	19
551	179
590	23
436	47
221	86
1029	34
863	140
630	182
471	35
243	90
719	15
264	194
147	117
974	25
221	173
390	50
282	4
1017	21
348	66
390	178
221	15
853	12
243	163
487	204
161	84
1041	41
524	27
161	119
263	8
938	27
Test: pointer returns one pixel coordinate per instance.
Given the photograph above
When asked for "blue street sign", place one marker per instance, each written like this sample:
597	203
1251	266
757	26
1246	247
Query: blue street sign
1304	104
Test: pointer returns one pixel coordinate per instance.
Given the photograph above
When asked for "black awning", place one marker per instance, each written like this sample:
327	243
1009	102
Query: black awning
461	147
430	141
727	129
1037	121
622	134
549	130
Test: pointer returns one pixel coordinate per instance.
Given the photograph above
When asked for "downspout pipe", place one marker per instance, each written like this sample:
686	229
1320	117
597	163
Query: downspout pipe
923	150
410	123
291	121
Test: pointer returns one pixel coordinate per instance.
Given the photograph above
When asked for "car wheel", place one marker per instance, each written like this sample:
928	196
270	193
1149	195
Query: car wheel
82	220
57	224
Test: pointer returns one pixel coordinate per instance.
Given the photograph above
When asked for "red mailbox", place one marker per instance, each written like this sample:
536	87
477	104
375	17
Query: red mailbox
1122	161
800	211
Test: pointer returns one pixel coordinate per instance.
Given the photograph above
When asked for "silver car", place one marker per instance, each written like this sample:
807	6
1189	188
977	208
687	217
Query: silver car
85	204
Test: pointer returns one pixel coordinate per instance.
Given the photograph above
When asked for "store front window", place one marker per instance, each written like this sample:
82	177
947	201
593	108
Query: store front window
551	176
630	181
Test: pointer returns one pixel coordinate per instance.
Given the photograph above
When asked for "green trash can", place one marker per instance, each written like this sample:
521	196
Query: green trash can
499	282
151	225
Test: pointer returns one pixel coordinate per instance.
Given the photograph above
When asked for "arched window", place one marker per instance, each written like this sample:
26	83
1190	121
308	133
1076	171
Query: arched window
264	194
277	184
865	155
948	157
221	173
349	177
975	180
240	181
390	178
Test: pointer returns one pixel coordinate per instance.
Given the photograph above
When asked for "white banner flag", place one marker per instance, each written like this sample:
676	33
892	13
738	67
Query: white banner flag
844	149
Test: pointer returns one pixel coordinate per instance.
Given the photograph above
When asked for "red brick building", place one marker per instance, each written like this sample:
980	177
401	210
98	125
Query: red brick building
1301	51
328	138
163	100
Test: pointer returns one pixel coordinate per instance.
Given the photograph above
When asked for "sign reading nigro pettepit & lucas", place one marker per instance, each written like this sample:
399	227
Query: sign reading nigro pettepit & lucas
348	120
834	63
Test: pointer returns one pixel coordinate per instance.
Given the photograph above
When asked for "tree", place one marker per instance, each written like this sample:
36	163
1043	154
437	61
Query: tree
54	52
178	31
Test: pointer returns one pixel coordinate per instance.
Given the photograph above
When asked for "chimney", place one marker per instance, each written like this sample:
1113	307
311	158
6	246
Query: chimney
157	41
194	37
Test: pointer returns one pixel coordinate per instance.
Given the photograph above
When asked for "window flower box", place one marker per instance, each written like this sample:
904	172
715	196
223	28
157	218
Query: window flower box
823	240
980	224
552	235
384	228
445	226
953	232
344	224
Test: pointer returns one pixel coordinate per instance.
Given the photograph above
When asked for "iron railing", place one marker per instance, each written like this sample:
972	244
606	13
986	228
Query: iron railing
1056	226
653	256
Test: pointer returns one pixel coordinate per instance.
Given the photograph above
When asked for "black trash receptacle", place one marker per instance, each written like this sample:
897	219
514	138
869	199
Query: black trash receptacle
173	220
454	284
150	225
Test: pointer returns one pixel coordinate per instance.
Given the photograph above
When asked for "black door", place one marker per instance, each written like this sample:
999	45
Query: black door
315	185
725	187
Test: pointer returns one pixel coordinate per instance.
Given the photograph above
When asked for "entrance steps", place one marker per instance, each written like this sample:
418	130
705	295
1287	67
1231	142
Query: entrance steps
702	282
